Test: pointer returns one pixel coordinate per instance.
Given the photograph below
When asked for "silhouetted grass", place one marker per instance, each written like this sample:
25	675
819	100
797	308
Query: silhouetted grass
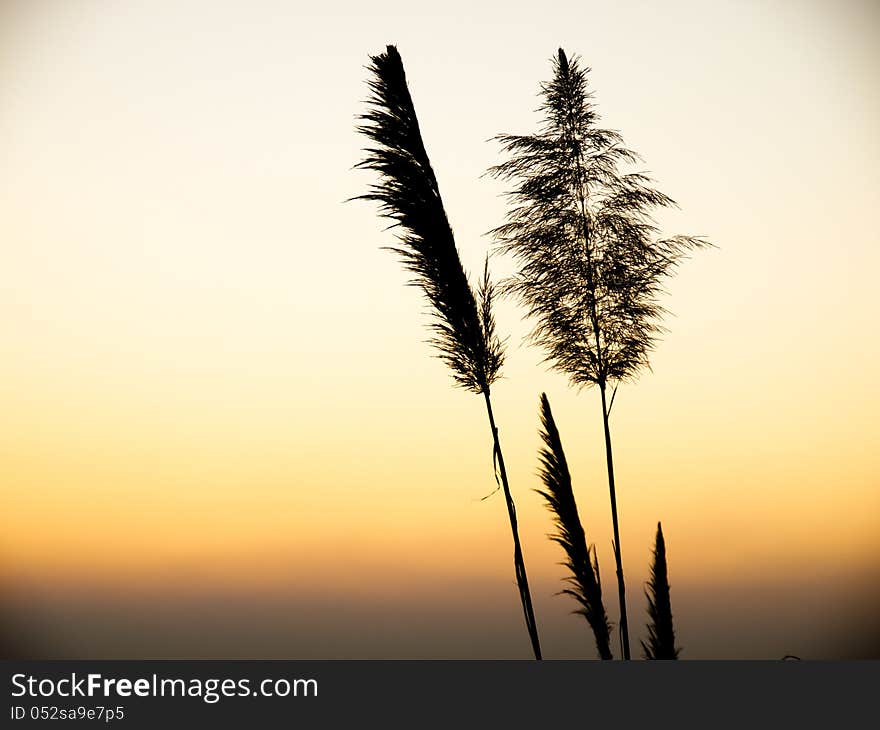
464	326
584	581
661	635
591	262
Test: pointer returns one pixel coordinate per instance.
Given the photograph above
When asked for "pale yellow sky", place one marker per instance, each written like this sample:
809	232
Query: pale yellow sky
210	368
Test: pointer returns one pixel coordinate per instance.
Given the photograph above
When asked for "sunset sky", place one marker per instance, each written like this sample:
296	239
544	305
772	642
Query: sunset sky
222	431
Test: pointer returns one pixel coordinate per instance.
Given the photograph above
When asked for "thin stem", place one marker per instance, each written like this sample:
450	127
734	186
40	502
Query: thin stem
518	561
621	587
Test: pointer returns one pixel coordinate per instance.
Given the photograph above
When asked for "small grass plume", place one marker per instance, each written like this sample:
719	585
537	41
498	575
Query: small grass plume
661	635
585	585
463	323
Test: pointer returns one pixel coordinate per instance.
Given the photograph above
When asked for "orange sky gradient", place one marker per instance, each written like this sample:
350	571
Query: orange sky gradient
215	383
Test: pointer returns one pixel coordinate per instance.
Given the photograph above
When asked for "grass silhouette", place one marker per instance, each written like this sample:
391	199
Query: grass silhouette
584	583
463	322
591	262
661	635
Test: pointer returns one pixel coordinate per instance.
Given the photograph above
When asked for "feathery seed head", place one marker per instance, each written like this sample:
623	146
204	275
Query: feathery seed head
407	193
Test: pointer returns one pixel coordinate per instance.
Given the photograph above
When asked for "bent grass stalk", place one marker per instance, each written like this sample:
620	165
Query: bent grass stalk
463	323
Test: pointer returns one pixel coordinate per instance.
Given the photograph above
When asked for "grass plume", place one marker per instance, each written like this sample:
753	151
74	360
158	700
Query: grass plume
407	192
584	582
661	635
463	323
591	263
